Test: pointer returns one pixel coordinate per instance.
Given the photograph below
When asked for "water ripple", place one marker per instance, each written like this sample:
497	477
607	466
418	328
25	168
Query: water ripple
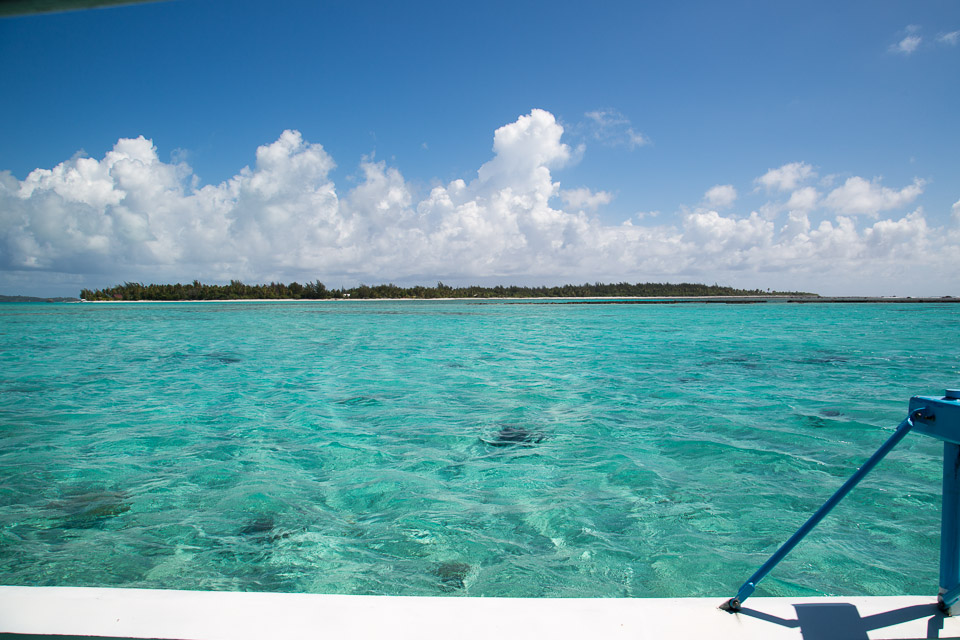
442	448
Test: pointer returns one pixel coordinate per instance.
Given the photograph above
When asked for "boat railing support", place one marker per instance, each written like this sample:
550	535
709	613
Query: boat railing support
935	417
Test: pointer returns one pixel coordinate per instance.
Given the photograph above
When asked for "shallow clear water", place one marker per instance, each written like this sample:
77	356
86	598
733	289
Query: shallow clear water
453	448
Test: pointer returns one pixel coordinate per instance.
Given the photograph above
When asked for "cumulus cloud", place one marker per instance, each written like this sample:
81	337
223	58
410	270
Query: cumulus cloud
130	216
787	177
803	200
727	238
583	198
612	128
859	196
720	196
949	38
525	151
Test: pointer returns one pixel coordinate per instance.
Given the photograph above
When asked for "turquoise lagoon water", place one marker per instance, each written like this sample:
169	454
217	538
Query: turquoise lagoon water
454	448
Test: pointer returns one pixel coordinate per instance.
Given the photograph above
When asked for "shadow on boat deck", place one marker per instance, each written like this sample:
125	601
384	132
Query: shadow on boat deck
842	621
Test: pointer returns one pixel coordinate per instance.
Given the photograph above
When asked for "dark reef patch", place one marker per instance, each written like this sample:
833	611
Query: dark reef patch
452	575
514	436
822	421
263	529
223	358
90	510
258	526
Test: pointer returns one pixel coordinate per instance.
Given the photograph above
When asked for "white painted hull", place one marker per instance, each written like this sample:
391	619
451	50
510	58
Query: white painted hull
213	615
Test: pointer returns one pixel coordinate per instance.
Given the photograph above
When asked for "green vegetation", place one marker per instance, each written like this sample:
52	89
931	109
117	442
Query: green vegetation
237	290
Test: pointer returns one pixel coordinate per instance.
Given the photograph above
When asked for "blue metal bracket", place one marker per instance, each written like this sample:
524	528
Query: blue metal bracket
936	417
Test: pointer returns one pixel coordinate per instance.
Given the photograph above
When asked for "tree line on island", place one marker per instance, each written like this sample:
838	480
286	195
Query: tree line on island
237	290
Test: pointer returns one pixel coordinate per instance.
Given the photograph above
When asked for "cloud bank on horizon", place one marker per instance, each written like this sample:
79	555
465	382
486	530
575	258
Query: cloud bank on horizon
131	217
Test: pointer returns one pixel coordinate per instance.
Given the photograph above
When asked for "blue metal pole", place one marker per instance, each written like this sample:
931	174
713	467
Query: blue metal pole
950	528
750	585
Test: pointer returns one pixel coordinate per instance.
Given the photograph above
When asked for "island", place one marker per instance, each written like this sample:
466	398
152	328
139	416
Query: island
316	290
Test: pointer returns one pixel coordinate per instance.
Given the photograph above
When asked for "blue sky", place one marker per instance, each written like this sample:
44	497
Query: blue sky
724	135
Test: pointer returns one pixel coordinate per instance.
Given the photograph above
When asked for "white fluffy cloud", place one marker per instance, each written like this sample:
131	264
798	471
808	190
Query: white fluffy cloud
787	177
130	216
908	45
803	200
720	196
583	198
913	40
910	42
859	196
